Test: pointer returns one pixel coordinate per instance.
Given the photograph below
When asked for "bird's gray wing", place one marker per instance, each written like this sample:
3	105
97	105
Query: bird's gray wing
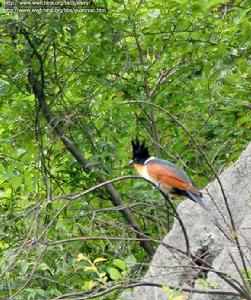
171	167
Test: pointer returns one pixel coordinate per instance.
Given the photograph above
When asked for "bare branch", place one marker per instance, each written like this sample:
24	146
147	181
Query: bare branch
132	284
164	76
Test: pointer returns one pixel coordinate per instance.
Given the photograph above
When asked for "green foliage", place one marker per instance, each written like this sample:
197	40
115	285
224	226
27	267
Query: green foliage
208	283
247	277
173	294
198	52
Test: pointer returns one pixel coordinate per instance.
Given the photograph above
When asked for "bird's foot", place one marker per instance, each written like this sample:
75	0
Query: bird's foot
156	187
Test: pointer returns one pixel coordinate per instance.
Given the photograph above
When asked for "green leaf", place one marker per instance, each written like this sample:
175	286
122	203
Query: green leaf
91	268
24	267
120	264
114	274
80	257
131	261
89	285
43	266
99	259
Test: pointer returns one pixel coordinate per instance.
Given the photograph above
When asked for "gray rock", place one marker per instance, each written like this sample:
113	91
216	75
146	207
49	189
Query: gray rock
170	268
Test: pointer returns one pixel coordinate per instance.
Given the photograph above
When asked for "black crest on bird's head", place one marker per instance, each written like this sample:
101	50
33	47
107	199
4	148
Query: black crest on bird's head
140	152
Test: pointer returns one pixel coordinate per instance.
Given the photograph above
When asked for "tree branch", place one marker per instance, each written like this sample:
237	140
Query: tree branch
39	91
132	284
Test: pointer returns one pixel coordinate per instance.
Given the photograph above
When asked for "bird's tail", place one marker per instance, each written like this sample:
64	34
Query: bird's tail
197	198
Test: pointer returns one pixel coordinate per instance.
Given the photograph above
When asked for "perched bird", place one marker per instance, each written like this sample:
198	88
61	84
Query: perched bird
164	174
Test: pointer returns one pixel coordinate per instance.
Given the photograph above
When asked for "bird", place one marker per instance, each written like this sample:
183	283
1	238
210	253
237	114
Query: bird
164	174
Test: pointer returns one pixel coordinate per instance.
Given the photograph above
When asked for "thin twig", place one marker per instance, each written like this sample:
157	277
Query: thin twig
132	284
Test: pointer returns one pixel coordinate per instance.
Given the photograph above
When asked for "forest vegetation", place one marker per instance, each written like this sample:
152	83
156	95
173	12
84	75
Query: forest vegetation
75	89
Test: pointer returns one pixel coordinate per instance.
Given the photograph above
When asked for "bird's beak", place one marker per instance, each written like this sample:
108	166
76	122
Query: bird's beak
130	163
